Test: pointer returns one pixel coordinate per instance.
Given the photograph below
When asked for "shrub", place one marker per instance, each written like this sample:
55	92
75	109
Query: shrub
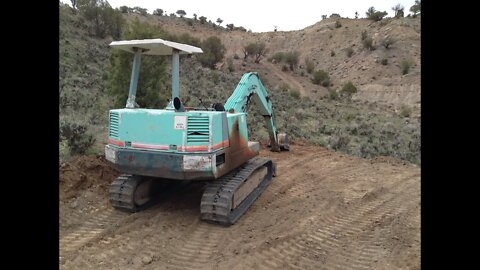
372	14
310	65
235	56
105	76
64	151
140	10
213	52
295	93
349	88
77	136
339	142
349	51
181	13
285	68
384	61
231	68
364	35
326	82
185	38
368	44
387	41
257	50
405	111
416	8
338	24
320	76
240	28
215	78
284	87
398	8
291	58
124	9
332	53
156	12
332	94
405	66
104	19
278	57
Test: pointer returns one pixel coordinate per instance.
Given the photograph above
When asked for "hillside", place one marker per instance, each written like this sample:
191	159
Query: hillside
369	124
83	94
376	82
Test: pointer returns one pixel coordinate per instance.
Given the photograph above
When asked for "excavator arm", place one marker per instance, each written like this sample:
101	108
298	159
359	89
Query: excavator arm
251	88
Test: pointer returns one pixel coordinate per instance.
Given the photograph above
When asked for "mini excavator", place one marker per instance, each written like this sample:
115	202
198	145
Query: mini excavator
155	147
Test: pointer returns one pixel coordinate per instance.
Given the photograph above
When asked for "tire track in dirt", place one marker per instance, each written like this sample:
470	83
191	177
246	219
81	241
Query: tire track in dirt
146	237
306	186
288	171
126	242
292	254
365	252
299	189
198	248
282	190
309	183
91	252
195	246
120	235
95	226
339	221
342	224
324	210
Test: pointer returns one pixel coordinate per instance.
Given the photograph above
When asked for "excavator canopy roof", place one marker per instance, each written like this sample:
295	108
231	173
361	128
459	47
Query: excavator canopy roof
155	46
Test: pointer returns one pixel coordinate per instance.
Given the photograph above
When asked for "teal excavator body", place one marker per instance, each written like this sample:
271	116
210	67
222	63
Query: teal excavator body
182	143
189	144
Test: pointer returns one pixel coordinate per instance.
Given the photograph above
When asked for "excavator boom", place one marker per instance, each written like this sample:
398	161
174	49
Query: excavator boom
251	88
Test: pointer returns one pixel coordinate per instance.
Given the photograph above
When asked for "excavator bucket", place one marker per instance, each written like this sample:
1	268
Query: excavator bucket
283	144
283	141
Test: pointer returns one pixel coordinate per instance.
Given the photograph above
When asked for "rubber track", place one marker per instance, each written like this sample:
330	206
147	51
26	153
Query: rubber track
216	202
121	192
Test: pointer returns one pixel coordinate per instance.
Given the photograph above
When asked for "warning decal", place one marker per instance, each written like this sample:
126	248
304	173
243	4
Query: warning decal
180	122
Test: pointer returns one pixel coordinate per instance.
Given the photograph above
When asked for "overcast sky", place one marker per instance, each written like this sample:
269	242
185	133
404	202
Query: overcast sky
262	16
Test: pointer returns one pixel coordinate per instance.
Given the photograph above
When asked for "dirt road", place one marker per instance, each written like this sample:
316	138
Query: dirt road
324	211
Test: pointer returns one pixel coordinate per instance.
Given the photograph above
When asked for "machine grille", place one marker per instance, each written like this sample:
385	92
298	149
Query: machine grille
197	129
113	132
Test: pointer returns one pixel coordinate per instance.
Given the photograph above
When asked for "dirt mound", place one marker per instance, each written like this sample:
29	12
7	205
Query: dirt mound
83	187
85	173
323	210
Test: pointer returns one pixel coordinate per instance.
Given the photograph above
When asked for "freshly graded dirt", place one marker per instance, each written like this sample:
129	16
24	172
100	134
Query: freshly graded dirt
324	210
